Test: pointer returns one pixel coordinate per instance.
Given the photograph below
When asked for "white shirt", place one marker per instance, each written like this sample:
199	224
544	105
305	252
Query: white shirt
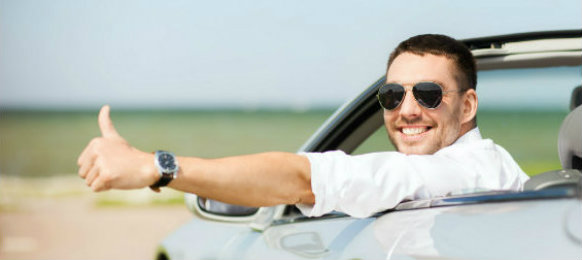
362	185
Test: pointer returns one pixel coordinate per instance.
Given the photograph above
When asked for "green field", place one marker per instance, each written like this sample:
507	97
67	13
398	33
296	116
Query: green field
41	143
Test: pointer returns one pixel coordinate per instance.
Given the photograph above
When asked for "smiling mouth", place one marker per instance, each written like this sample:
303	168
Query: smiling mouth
412	131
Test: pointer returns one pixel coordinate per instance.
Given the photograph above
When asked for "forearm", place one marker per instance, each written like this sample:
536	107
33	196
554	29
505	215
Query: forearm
264	179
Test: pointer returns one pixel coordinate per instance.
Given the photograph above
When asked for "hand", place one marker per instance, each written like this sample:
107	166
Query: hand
110	162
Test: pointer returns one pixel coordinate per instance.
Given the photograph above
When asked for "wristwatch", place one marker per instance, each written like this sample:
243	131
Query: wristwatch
167	167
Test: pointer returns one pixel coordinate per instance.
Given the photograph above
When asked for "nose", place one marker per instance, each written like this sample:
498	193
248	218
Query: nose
409	108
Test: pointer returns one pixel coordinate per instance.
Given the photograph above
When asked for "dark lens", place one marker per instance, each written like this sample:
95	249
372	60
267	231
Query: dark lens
428	94
390	96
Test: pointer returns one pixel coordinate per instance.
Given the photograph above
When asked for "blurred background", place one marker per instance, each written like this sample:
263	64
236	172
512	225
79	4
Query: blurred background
213	79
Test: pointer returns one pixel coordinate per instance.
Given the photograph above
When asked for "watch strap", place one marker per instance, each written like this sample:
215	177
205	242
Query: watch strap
164	180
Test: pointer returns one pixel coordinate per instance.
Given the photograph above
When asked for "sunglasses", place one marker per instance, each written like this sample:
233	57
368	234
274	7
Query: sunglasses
427	94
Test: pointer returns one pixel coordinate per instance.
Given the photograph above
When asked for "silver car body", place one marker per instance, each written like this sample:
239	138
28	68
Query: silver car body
542	222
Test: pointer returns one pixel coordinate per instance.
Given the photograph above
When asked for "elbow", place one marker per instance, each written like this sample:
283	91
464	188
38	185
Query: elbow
304	193
307	197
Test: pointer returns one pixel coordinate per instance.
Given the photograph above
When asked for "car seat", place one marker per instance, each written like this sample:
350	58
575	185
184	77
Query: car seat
570	140
569	151
576	99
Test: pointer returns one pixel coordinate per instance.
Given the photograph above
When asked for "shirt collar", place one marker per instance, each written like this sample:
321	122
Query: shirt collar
473	135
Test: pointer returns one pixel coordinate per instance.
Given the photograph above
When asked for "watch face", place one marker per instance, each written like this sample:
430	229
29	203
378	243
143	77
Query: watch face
166	161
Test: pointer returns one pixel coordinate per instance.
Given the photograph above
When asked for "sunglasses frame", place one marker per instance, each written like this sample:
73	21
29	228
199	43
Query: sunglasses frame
443	92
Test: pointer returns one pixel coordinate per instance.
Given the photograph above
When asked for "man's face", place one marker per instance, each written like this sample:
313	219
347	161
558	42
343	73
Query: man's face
412	128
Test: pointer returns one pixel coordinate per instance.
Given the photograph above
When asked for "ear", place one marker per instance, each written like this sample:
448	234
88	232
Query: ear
470	104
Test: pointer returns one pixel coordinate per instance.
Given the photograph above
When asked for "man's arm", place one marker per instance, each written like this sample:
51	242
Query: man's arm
266	179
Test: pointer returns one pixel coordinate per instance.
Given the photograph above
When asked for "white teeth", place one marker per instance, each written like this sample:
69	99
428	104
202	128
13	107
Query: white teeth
413	131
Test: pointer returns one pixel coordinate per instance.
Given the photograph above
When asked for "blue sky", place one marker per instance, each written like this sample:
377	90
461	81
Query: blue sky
242	54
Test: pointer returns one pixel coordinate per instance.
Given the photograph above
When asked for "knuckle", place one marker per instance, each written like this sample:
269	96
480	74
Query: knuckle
96	142
106	178
106	186
95	188
93	141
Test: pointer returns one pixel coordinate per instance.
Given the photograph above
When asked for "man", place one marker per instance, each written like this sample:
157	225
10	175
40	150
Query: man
430	104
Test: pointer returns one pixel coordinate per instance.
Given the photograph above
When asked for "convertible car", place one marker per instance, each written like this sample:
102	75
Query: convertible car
544	221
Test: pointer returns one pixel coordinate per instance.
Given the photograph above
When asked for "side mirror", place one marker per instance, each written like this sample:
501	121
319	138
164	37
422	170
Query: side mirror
258	218
224	209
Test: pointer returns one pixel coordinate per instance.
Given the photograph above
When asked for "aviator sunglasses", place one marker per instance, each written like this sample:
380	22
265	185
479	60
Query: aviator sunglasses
427	94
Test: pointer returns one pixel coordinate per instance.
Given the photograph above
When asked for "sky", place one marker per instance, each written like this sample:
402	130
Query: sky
80	54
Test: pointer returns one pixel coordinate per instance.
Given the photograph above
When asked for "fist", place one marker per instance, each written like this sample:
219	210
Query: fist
110	162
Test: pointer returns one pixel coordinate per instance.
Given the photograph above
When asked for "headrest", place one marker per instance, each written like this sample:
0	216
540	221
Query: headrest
576	99
570	140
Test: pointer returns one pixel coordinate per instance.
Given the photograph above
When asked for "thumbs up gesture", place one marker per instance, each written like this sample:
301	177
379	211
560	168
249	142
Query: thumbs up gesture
110	162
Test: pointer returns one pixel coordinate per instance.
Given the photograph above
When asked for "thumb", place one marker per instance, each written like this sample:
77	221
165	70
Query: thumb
106	125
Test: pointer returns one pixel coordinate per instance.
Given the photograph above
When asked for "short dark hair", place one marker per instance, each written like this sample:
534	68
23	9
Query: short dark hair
442	45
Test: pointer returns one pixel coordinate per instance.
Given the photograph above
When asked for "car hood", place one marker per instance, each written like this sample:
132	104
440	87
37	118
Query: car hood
531	229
